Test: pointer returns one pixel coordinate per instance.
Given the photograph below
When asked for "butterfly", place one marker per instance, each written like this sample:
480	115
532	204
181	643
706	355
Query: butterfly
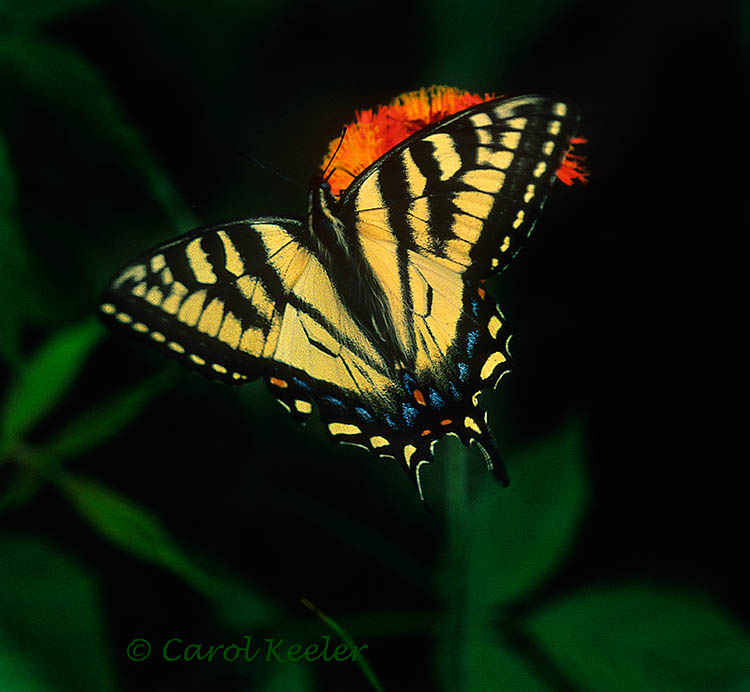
372	307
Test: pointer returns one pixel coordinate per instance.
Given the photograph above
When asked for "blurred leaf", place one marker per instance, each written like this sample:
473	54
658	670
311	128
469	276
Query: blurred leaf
519	535
291	677
47	375
239	604
361	660
49	610
18	670
742	685
21	12
490	666
15	264
477	41
132	527
103	421
65	84
467	655
452	583
639	638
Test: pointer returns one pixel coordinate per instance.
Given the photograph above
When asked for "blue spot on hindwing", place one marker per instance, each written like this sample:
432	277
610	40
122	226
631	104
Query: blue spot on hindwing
333	400
436	400
391	423
364	414
475	307
301	384
410	414
463	371
471	341
408	380
454	391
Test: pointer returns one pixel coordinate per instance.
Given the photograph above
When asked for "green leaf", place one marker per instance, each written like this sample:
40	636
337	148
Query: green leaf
451	578
50	618
361	660
135	529
473	658
295	676
30	13
18	670
102	421
132	527
518	535
639	638
15	264
468	655
47	375
488	665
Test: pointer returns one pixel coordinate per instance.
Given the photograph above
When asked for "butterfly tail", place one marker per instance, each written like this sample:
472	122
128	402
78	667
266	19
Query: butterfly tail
491	453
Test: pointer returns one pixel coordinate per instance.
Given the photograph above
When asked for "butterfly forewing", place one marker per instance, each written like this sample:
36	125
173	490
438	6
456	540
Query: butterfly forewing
244	299
467	190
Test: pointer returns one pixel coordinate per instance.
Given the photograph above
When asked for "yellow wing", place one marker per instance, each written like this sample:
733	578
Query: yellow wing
244	299
450	206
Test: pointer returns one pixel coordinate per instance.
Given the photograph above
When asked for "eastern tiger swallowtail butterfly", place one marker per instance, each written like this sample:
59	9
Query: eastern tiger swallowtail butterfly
371	307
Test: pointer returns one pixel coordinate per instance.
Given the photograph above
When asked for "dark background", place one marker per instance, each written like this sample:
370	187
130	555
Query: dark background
122	123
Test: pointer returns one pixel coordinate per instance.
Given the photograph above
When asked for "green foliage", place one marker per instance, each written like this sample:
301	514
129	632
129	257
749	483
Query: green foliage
135	529
349	641
46	376
490	665
629	637
103	421
540	514
642	638
290	678
52	633
486	568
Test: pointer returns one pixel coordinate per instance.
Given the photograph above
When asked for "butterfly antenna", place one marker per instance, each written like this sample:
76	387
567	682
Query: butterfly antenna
330	161
343	170
260	164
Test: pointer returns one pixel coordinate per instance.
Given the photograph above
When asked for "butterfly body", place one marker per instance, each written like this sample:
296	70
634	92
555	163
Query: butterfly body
372	307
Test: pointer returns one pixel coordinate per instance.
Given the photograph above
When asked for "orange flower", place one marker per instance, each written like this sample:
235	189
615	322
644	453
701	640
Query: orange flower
374	132
572	168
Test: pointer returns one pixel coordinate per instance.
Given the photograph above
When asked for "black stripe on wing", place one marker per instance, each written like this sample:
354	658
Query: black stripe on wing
468	189
208	298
